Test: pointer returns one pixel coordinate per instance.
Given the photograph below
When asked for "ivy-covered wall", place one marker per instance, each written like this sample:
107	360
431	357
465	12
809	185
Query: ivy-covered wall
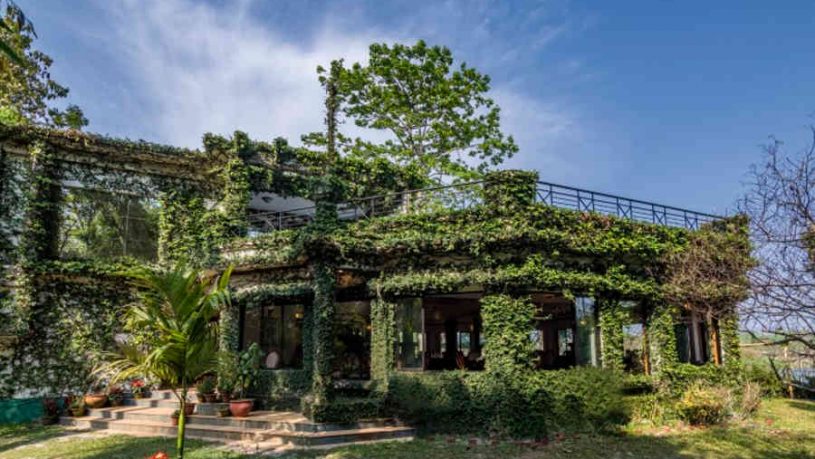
505	249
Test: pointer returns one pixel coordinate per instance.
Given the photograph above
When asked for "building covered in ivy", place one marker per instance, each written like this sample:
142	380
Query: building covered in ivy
356	279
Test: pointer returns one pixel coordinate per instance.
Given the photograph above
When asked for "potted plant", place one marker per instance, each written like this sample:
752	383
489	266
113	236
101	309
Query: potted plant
77	406
248	369
223	412
174	417
96	398
189	407
116	395
227	372
206	390
50	408
137	388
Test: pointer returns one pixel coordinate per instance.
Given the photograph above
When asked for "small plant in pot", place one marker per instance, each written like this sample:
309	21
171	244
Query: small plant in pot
248	369
174	417
223	412
116	395
77	406
227	374
50	410
189	407
96	398
138	388
206	390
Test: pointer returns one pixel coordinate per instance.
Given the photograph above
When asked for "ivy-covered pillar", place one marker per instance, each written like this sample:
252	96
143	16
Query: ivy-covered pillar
323	312
510	189
729	336
40	237
612	317
662	337
383	331
229	327
182	227
234	200
506	325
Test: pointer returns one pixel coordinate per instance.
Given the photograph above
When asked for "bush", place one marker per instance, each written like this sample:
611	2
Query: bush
750	399
701	404
521	404
760	373
343	410
679	378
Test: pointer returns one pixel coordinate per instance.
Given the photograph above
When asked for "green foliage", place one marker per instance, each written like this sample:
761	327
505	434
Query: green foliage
64	317
100	225
346	410
40	238
510	189
612	319
438	117
526	405
704	405
507	322
282	389
180	305
26	87
248	368
383	335
322	337
206	385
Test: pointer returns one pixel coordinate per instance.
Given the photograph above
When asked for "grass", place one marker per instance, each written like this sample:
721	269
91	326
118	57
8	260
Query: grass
783	429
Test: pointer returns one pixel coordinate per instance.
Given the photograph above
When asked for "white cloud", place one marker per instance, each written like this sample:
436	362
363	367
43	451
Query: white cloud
200	70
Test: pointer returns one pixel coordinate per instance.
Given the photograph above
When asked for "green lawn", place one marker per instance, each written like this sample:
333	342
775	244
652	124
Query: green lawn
783	429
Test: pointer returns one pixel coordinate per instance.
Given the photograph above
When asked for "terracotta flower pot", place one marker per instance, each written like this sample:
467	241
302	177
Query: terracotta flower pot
95	400
189	409
174	420
241	408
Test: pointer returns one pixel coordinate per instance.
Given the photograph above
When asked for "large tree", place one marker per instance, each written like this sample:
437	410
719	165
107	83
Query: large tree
781	206
437	114
26	88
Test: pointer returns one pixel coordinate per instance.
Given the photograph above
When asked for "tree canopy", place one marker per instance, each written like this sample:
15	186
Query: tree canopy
26	88
438	114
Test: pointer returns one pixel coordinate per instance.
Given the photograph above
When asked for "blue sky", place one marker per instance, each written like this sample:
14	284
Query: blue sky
657	100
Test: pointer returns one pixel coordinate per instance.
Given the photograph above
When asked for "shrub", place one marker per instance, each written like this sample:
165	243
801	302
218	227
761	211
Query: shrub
760	373
520	404
701	404
679	378
343	410
750	399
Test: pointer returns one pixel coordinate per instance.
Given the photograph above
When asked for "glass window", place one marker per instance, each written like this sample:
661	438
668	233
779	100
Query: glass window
565	341
464	343
536	336
278	330
682	332
409	337
632	347
586	325
352	343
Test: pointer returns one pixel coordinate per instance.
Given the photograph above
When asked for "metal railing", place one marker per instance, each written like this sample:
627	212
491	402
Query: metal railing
632	209
465	195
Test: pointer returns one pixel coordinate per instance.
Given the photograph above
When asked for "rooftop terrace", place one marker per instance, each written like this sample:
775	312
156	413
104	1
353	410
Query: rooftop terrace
469	194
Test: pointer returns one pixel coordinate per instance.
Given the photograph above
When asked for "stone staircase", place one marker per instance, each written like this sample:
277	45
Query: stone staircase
261	431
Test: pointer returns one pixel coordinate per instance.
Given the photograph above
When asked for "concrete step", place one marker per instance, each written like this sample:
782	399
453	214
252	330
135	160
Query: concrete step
264	420
269	437
267	420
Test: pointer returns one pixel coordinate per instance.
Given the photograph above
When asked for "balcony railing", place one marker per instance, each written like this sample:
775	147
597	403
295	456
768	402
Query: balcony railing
465	195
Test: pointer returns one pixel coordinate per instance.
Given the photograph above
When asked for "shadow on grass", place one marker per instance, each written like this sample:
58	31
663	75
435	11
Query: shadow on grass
806	405
16	435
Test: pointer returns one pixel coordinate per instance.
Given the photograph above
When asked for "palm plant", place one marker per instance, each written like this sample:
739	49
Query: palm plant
179	307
